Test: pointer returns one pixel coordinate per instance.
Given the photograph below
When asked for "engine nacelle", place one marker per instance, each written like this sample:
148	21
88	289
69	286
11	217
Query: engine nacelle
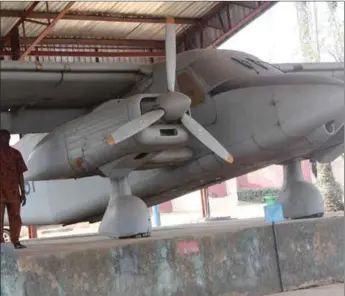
78	148
322	134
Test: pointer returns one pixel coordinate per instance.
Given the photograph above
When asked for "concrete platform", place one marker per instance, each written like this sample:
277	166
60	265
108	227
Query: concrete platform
332	290
232	258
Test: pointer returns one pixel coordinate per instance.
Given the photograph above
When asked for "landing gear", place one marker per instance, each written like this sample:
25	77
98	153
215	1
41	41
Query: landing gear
126	215
299	198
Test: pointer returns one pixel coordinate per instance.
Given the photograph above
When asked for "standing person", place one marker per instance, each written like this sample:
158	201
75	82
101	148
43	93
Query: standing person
12	194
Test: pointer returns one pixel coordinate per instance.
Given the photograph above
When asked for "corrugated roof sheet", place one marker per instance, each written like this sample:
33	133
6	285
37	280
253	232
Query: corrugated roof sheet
76	28
15	5
192	9
117	30
7	23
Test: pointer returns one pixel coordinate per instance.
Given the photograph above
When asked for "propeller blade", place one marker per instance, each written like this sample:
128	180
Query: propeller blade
134	126
206	138
170	52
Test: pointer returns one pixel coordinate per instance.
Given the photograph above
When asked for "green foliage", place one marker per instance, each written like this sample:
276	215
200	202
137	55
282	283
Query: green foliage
337	32
310	54
331	190
315	36
256	195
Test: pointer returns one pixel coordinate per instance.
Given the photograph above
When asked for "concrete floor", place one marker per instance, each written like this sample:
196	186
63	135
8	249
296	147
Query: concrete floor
332	290
89	241
219	208
82	241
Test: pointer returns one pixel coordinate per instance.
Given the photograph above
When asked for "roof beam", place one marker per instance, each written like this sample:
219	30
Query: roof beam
100	17
214	11
245	21
220	23
138	43
36	22
22	17
246	4
100	54
47	30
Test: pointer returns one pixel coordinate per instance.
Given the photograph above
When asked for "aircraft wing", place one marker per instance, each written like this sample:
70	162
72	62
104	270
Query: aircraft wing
335	70
64	91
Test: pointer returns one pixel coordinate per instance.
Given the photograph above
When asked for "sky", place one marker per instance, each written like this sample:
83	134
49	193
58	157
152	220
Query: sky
274	36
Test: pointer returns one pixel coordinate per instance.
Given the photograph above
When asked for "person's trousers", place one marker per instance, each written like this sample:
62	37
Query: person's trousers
14	219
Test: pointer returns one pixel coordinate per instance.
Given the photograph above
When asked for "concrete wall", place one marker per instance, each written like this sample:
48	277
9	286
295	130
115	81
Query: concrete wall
230	259
191	203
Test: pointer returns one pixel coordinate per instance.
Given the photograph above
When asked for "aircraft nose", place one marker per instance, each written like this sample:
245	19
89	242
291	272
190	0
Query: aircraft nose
310	102
274	111
301	101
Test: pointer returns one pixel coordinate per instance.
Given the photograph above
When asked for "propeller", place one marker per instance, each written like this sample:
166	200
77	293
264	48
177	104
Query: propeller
172	106
170	53
135	126
205	137
189	123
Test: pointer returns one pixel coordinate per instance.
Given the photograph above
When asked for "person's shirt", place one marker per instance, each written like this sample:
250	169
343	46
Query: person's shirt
12	166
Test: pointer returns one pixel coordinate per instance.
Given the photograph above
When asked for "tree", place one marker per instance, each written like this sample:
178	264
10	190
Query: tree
311	50
336	31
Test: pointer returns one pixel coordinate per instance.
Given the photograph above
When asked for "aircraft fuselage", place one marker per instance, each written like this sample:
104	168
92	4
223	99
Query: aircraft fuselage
260	115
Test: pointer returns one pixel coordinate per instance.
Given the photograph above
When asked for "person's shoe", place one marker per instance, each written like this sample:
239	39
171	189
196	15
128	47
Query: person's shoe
18	245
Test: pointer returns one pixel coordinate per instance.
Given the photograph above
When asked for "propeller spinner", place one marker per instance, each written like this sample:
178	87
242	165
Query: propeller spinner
140	123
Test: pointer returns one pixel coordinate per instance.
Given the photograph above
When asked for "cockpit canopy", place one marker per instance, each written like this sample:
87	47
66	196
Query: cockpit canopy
200	72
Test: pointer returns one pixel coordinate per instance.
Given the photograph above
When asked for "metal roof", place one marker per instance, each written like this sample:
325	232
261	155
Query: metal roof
69	28
86	27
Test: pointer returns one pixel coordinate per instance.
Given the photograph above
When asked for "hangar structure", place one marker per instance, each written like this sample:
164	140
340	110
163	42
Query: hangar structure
116	31
82	113
105	32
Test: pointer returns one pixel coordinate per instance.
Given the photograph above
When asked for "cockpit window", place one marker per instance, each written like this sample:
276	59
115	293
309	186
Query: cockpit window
277	68
245	63
258	63
188	86
216	67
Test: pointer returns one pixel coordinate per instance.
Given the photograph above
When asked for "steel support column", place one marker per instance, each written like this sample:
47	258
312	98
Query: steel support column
15	45
156	222
32	231
205	203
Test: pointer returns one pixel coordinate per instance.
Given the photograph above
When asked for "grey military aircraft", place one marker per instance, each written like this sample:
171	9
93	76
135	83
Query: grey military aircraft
117	138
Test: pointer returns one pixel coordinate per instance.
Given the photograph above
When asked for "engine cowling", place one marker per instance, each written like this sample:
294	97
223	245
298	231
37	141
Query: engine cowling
78	148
